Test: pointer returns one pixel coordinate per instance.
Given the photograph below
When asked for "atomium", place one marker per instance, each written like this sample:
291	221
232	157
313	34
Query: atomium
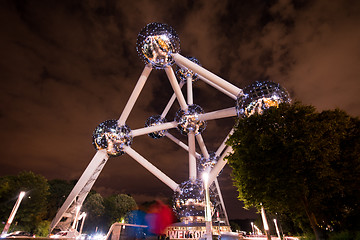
111	137
153	121
155	44
159	46
260	96
185	73
188	121
189	201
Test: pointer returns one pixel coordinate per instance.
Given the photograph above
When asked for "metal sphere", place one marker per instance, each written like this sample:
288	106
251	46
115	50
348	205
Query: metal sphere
155	44
188	121
204	163
260	96
112	137
156	120
184	73
189	201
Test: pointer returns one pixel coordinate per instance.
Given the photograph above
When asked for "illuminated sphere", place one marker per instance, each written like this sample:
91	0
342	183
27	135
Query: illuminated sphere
188	121
153	121
204	163
260	96
155	44
189	201
111	137
184	73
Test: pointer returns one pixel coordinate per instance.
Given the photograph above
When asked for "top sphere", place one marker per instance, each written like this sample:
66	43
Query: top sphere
155	44
260	96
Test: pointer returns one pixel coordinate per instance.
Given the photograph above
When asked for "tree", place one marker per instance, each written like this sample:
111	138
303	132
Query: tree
95	210
301	163
58	192
117	206
32	209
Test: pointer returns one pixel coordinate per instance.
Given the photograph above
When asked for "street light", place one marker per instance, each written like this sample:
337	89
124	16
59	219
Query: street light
208	222
266	225
277	229
12	214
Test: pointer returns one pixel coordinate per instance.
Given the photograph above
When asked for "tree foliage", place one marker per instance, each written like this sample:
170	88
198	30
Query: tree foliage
58	192
118	205
44	198
95	210
299	162
33	207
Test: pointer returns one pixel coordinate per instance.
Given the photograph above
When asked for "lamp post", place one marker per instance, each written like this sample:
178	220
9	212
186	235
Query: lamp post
208	222
277	229
12	214
266	225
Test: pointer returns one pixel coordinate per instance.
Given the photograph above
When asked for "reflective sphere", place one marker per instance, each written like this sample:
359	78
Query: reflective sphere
190	200
109	136
204	163
155	44
184	73
188	121
156	120
260	96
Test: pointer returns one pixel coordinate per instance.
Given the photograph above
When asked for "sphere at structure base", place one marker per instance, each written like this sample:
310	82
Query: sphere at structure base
188	121
184	73
189	201
111	137
155	44
153	121
260	96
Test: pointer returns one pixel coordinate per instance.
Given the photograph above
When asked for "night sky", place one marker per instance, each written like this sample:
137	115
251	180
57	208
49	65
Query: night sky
67	66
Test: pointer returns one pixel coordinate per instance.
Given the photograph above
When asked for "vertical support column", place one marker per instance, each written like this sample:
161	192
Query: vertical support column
190	99
208	217
192	158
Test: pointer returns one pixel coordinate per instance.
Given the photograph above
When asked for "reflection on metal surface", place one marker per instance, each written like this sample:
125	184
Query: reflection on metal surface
260	96
111	137
153	121
188	120
155	44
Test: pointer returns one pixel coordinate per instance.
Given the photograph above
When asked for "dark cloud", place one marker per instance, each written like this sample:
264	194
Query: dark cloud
67	66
